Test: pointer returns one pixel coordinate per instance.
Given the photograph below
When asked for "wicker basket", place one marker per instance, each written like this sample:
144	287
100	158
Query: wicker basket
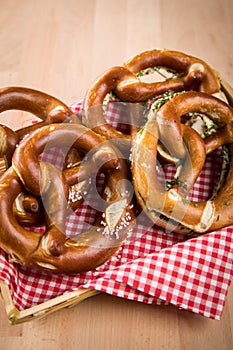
67	299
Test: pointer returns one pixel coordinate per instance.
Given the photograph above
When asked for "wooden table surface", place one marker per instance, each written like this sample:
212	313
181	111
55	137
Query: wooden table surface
61	46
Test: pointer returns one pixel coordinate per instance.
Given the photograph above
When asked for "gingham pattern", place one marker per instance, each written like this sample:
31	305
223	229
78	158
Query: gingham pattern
152	267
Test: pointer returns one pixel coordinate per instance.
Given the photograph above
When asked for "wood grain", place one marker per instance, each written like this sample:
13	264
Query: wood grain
61	46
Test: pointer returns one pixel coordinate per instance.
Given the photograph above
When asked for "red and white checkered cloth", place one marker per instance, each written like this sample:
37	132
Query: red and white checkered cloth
152	266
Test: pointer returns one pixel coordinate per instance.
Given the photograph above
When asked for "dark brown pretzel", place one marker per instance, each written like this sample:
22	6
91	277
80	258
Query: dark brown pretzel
53	251
163	205
197	75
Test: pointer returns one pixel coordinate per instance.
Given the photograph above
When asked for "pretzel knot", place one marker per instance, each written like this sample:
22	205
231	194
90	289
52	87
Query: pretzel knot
53	250
191	74
169	208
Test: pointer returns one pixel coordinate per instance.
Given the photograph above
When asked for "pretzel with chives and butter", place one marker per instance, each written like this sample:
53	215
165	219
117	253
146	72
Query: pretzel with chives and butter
52	250
195	74
171	206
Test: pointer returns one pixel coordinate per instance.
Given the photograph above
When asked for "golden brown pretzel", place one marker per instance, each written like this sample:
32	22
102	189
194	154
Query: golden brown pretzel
123	80
46	107
52	250
163	205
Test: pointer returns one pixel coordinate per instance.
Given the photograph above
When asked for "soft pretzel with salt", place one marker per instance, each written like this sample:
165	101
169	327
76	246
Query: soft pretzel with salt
53	250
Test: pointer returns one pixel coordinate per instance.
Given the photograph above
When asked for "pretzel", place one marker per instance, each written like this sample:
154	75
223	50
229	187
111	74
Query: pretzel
52	250
46	107
195	74
170	208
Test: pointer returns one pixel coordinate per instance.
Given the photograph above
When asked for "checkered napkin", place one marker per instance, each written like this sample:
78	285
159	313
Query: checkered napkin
153	266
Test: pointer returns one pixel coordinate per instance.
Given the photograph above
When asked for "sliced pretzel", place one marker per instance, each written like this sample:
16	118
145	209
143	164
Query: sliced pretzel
169	115
52	250
162	205
124	81
195	73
